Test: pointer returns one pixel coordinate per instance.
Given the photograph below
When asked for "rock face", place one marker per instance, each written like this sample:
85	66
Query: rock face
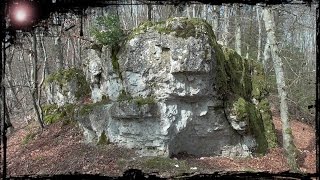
170	88
66	86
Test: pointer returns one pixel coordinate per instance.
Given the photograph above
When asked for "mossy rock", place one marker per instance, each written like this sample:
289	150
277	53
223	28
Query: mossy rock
86	109
238	72
237	79
241	80
260	85
246	111
65	76
265	112
140	101
180	27
240	109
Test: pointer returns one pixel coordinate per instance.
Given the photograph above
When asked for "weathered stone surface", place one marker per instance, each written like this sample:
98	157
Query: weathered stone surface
66	86
173	89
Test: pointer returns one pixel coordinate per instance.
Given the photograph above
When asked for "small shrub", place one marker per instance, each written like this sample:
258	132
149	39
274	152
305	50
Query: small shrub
107	30
53	113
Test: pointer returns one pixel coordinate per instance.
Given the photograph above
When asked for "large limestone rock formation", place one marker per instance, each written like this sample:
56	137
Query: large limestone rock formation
172	88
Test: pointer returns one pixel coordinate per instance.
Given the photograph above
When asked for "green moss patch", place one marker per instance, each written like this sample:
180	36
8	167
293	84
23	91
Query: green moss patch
240	80
257	129
29	137
103	139
88	108
64	76
265	112
179	27
260	85
246	111
238	73
52	113
165	164
140	101
240	109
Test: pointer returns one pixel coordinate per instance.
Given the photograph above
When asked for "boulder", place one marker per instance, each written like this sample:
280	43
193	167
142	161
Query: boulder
172	88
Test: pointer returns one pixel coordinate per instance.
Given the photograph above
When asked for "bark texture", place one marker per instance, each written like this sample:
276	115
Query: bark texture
288	144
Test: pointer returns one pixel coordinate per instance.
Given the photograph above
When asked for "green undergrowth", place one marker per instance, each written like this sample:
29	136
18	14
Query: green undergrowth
165	164
29	137
53	113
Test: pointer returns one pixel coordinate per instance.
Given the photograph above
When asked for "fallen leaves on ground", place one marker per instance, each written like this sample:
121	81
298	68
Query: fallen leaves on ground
59	149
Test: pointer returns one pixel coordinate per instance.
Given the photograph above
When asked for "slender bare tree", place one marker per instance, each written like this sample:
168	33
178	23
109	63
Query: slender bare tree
225	33
35	88
258	10
288	144
238	29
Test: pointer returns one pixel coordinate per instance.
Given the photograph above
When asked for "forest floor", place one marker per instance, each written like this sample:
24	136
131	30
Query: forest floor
59	149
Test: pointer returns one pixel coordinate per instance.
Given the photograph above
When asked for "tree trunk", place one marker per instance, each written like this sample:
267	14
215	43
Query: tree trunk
259	33
225	25
149	12
205	11
58	49
188	10
193	10
288	145
266	55
238	30
215	23
35	90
